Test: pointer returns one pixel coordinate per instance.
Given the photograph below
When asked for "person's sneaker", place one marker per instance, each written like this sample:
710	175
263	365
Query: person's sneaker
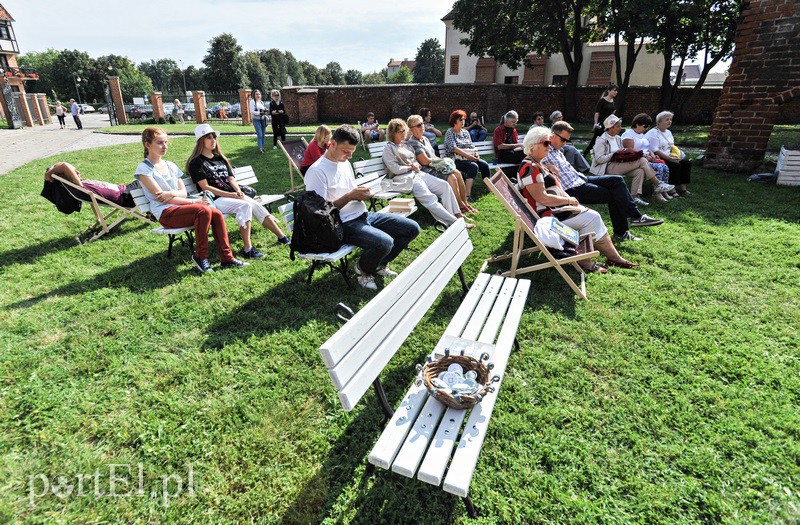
202	264
663	187
384	271
285	240
627	236
366	280
234	263
252	253
645	220
639	202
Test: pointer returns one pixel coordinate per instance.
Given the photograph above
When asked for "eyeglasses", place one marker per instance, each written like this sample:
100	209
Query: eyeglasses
420	125
546	143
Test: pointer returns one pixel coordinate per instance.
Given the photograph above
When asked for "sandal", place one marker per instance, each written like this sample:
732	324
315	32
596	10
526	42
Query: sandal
622	263
599	268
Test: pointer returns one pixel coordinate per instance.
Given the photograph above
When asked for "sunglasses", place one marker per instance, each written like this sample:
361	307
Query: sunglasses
562	138
420	125
546	143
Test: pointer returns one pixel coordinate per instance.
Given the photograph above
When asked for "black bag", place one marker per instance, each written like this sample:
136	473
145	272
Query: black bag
317	225
247	190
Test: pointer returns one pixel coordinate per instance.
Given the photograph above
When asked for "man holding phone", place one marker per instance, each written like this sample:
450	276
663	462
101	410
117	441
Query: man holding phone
381	236
477	131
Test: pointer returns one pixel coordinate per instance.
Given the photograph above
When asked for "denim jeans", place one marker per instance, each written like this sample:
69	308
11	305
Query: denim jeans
381	236
611	190
469	169
259	125
478	135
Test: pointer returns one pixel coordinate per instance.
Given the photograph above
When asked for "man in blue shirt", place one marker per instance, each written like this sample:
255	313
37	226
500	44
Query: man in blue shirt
76	111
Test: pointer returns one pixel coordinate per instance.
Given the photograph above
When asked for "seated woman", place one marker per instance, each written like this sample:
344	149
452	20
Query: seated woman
317	148
603	162
661	143
212	172
169	204
400	160
425	155
430	130
634	139
116	193
458	146
543	191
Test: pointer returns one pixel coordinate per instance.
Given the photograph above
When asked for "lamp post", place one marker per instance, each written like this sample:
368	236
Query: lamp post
184	78
77	79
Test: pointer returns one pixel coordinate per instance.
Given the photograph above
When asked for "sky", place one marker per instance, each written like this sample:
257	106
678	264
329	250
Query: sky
358	34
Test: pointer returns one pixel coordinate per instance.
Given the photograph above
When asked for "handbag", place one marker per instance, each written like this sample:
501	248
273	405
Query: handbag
247	190
474	151
398	183
675	152
445	165
626	155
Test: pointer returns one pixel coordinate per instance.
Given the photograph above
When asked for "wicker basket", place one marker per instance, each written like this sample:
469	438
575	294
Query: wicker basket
432	369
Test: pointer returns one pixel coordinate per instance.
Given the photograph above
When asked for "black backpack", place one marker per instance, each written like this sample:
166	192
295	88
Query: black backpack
317	225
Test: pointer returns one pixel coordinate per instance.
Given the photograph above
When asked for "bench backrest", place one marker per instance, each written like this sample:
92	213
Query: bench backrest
369	172
376	148
356	354
485	147
286	212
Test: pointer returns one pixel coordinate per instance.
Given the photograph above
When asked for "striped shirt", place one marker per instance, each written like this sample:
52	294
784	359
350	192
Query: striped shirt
567	175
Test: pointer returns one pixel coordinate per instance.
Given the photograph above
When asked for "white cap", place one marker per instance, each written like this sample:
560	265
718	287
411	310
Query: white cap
202	130
608	123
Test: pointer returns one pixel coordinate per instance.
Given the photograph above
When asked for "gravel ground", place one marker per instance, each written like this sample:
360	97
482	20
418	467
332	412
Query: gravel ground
21	146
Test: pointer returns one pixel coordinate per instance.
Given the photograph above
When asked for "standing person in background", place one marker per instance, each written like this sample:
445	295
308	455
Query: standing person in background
76	111
177	111
61	114
317	148
279	118
604	108
258	114
476	128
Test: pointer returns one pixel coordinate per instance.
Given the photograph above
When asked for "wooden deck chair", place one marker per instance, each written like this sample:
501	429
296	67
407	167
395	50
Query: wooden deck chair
525	218
103	223
294	151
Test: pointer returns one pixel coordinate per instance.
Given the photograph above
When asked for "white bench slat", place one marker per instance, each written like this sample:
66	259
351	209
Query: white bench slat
481	312
462	467
383	321
417	440
346	249
435	462
376	148
392	438
334	349
361	382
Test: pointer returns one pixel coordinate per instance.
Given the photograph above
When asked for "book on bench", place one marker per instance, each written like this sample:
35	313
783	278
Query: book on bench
401	205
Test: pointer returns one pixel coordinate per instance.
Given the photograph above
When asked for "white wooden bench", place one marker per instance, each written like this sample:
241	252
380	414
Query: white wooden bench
423	438
486	148
370	173
336	260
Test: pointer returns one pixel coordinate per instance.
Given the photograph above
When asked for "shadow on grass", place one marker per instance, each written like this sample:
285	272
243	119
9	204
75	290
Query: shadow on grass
34	252
130	276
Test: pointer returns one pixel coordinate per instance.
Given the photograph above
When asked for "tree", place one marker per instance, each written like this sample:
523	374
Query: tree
225	64
195	78
519	27
353	77
429	68
161	73
376	77
311	73
402	76
334	73
257	76
294	69
132	81
277	68
45	63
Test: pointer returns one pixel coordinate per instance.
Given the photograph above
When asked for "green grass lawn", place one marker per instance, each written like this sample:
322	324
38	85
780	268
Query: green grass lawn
671	396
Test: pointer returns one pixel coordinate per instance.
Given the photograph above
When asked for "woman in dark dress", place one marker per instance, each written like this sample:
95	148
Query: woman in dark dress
604	108
279	118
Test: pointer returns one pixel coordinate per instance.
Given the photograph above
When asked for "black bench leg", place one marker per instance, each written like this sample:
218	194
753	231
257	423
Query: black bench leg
370	469
342	267
381	393
516	344
314	266
171	241
463	283
473	513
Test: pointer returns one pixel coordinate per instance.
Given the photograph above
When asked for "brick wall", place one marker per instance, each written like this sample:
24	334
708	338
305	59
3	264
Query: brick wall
762	88
352	103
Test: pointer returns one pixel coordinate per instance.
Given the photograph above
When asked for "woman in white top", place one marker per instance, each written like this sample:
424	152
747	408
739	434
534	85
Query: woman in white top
61	113
634	139
661	143
603	164
177	111
258	115
400	160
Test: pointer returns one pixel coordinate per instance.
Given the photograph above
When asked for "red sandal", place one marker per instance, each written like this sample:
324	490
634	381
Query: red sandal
621	264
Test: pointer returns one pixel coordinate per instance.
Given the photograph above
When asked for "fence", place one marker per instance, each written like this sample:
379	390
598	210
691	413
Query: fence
223	107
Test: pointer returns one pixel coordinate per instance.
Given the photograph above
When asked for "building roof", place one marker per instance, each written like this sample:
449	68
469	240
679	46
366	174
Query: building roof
449	16
400	63
690	71
5	15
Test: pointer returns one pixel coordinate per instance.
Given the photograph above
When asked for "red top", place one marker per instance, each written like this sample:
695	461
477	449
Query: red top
313	152
500	133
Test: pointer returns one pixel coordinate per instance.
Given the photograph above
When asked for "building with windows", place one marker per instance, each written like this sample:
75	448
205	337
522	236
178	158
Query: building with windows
598	67
394	65
16	105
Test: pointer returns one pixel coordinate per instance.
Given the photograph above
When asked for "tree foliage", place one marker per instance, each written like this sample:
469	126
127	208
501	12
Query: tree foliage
225	64
402	76
376	77
294	69
161	72
257	75
429	68
334	73
353	77
277	67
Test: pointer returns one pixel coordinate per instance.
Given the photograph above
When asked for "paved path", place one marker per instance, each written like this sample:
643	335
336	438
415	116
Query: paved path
21	146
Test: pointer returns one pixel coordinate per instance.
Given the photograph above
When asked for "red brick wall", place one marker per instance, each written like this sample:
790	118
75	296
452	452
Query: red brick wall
352	103
762	87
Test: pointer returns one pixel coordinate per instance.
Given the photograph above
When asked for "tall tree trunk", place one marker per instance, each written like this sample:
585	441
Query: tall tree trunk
707	67
624	80
666	85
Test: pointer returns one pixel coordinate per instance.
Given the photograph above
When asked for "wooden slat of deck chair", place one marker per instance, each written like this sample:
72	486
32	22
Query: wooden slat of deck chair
524	222
101	224
294	151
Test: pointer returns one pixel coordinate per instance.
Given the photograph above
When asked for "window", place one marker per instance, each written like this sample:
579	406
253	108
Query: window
560	80
4	33
511	80
4	62
454	65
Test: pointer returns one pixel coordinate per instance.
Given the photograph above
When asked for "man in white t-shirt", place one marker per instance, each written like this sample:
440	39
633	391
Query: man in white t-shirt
381	236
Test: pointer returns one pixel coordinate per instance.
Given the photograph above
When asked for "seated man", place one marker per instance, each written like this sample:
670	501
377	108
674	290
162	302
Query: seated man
606	189
371	129
477	131
507	146
381	236
116	193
